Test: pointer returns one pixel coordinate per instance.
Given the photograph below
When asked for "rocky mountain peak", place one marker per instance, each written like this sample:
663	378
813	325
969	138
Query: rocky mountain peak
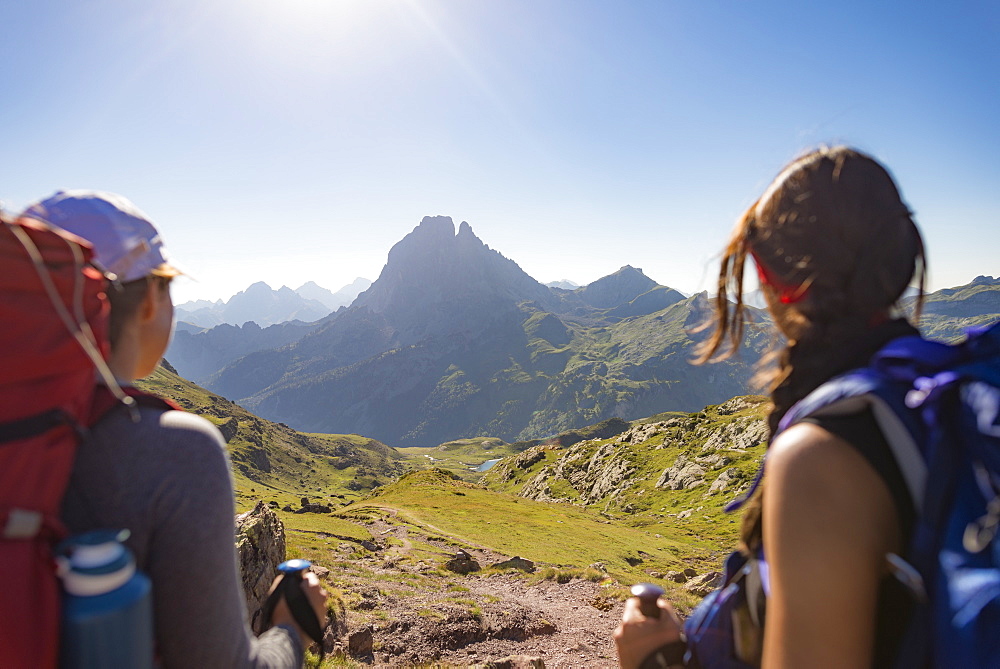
436	226
258	288
619	288
435	270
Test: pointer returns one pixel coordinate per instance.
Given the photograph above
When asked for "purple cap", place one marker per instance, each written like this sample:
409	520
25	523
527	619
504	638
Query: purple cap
126	245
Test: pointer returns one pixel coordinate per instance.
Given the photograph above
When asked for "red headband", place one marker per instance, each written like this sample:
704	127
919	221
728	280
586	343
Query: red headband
787	293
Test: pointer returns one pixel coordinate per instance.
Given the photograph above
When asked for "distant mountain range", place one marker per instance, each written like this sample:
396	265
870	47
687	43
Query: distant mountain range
454	340
264	306
947	312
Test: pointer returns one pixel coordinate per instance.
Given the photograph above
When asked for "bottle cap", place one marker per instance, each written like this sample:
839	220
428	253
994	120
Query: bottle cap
95	562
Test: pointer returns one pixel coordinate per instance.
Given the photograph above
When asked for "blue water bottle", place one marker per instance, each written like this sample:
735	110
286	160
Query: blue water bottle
107	604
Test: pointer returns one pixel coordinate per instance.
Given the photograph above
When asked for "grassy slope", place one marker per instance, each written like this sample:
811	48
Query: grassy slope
641	543
562	535
637	502
460	457
624	368
275	463
949	311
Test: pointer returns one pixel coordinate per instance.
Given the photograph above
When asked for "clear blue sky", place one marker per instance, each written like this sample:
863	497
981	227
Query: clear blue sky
295	140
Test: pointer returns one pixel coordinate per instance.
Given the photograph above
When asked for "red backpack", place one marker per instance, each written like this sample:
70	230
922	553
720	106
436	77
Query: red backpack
53	318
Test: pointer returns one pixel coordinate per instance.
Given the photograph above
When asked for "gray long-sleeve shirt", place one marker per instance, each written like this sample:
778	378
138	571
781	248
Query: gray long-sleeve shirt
167	479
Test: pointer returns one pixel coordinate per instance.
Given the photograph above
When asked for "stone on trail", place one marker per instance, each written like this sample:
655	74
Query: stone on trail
704	584
516	562
462	563
512	662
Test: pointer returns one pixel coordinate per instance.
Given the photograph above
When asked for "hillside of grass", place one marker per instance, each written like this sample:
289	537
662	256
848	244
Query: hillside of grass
278	464
461	457
464	457
949	312
568	501
438	504
677	473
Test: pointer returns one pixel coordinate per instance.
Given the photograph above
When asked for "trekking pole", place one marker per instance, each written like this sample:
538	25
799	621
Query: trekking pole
290	588
648	594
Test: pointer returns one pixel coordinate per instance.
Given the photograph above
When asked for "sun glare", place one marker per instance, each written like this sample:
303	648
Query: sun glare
316	12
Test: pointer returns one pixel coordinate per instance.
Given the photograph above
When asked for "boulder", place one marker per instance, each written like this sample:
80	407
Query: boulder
528	458
359	643
462	563
739	434
260	546
641	433
682	475
516	562
704	584
725	478
313	508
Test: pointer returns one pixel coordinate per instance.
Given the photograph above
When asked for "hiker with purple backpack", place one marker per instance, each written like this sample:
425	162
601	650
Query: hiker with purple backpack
163	473
882	445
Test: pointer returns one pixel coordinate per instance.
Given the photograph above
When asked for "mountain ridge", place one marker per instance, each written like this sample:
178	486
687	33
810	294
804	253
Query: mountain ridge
266	306
455	340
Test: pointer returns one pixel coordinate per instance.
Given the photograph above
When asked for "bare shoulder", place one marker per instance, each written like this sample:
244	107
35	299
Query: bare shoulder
814	473
805	447
807	455
826	511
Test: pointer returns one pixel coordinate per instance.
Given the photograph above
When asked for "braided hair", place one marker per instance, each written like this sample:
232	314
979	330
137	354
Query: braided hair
835	248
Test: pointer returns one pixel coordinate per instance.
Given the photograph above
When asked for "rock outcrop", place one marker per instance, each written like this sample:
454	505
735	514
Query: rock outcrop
260	546
739	434
593	476
704	584
682	475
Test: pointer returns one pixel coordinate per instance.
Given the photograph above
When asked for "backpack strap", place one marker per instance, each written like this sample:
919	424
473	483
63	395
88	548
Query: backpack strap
871	388
902	376
32	426
105	402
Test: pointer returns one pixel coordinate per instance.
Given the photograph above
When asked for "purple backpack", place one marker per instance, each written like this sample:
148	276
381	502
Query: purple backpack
938	407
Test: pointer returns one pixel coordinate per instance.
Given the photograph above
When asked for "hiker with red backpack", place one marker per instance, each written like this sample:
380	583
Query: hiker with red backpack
161	473
868	539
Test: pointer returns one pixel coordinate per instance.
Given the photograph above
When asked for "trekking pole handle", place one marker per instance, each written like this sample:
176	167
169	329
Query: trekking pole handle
647	593
290	588
294	568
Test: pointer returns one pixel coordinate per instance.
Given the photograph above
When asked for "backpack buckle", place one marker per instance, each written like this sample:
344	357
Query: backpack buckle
22	524
980	533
